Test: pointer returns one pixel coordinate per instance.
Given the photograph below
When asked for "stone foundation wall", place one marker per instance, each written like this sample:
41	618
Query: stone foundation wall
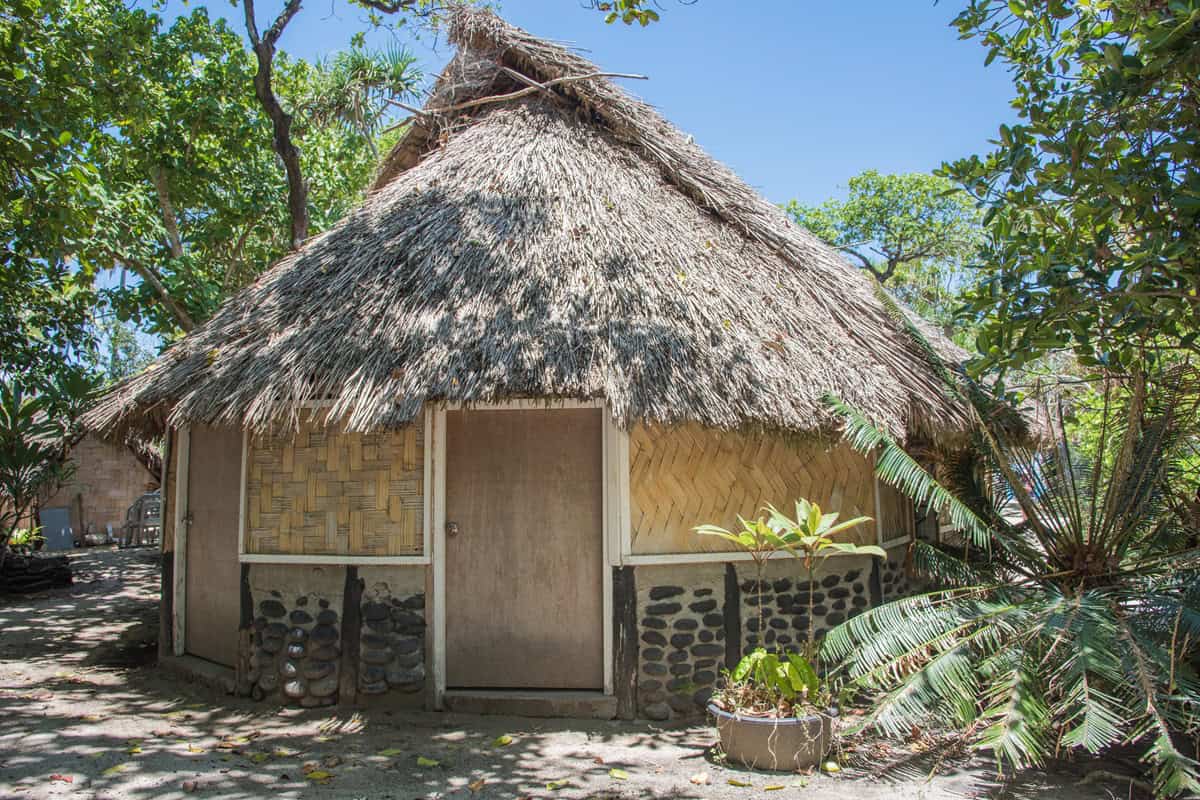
297	643
893	576
322	635
694	620
301	643
681	619
392	643
839	591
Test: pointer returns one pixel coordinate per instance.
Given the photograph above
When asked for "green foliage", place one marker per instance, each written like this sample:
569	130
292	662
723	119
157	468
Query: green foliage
809	538
35	431
627	11
763	682
1075	623
25	540
204	200
1093	199
120	352
766	683
54	59
809	534
131	143
916	233
354	87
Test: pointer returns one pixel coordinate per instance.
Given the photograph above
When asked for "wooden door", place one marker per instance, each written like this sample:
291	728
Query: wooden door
213	574
524	603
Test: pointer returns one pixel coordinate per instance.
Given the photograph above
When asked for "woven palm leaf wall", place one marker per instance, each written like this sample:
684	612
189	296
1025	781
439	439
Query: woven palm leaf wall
329	493
896	514
687	475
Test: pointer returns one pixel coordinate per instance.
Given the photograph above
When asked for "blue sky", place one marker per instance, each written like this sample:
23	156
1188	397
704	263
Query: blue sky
795	95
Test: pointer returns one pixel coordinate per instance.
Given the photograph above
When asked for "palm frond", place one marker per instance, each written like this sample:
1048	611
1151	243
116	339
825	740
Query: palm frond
1019	729
943	568
941	690
897	468
1174	771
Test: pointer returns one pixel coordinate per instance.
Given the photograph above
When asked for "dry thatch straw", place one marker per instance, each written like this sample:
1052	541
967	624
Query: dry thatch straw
565	244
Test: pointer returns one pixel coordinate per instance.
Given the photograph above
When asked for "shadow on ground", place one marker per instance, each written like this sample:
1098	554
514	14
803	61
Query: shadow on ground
84	714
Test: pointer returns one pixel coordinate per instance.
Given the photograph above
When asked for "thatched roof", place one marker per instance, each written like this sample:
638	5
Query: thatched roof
565	243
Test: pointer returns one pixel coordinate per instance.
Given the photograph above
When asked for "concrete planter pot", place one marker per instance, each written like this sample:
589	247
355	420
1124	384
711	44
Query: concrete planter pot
786	745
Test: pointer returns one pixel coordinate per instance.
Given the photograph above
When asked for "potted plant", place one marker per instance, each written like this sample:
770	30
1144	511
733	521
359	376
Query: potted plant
773	710
24	541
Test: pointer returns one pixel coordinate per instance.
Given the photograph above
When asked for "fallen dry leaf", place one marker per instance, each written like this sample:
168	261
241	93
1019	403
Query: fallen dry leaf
391	752
503	740
618	774
319	775
62	778
475	786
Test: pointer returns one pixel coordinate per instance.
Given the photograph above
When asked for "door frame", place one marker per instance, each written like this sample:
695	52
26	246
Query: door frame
614	454
179	530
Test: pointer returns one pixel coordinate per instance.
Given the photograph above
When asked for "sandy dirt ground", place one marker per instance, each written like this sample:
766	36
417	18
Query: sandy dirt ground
84	714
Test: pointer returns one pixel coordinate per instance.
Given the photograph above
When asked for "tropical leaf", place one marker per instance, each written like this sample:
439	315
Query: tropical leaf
897	468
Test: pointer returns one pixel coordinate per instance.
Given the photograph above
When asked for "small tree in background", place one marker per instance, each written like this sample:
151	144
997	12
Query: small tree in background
914	233
37	428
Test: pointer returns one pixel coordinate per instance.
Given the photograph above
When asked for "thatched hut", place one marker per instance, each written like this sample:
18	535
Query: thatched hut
450	452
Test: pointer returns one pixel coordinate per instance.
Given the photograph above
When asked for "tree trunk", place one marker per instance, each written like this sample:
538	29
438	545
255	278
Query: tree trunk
281	121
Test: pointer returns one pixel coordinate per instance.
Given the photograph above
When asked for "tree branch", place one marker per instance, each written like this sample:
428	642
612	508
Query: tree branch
870	267
151	277
533	86
168	212
396	6
281	121
233	269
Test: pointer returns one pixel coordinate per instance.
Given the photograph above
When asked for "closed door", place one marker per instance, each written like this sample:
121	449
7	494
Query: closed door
56	527
212	573
524	549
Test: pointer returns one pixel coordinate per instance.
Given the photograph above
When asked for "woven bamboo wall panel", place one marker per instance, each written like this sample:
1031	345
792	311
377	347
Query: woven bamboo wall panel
330	493
896	514
688	475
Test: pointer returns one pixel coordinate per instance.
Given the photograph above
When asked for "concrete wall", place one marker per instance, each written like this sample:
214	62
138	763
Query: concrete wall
108	478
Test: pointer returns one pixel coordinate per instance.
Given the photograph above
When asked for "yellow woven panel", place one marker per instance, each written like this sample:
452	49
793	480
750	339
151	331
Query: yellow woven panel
329	493
688	475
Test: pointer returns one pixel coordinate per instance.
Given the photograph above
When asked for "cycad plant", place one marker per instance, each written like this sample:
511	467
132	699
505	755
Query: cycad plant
1071	625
